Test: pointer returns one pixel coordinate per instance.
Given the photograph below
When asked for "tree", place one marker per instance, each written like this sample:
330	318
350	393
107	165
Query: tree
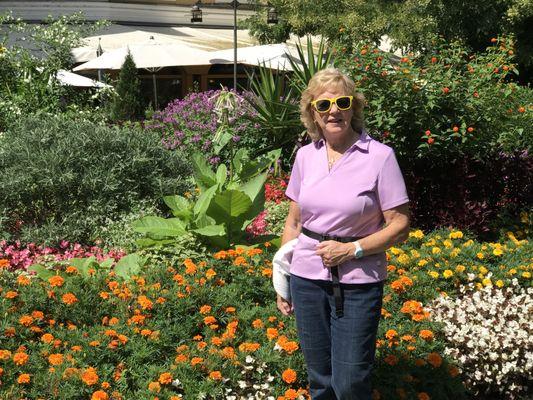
126	103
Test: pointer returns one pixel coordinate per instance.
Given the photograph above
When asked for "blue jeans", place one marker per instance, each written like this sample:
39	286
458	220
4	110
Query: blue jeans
339	352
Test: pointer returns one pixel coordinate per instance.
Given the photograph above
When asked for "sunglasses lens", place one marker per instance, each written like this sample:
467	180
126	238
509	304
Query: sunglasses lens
343	103
322	105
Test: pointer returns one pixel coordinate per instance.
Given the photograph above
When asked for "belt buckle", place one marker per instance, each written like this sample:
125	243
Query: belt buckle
329	237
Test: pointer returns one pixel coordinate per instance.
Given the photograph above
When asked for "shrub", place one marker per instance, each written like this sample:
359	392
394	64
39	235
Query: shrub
126	104
489	332
63	177
190	124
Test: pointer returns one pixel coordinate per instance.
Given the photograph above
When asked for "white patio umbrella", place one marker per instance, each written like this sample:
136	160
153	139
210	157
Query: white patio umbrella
70	79
151	56
274	56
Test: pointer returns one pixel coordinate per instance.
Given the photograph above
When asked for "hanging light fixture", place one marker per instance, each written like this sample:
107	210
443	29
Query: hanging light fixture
272	16
196	13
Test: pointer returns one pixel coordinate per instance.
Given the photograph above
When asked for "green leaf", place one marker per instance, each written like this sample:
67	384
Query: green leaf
129	265
202	204
84	264
107	263
144	243
253	187
211	230
204	176
229	205
180	206
172	227
222	174
41	271
223	139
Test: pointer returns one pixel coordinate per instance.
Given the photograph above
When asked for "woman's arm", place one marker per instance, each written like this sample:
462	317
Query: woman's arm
293	226
396	230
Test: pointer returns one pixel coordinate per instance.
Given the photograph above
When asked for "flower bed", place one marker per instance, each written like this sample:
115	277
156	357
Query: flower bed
209	328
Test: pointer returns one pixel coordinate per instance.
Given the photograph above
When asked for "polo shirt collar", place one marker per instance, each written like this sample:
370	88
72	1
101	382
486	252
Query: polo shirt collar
362	143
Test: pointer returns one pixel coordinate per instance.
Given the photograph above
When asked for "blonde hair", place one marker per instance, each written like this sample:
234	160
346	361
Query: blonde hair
322	80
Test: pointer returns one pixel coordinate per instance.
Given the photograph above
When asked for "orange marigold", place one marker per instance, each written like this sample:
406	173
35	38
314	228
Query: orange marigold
391	359
426	334
55	359
23	379
11	294
23	280
154	387
205	309
89	376
26	320
56	280
165	378
228	352
181	358
20	358
423	396
99	395
196	361
291	394
272	333
391	334
434	359
5	355
257	324
289	375
215	375
69	298
249	347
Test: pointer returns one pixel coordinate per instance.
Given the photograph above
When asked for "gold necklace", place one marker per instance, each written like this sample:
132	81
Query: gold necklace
332	161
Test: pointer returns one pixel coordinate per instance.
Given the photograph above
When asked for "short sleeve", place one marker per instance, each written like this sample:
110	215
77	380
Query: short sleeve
391	186
293	188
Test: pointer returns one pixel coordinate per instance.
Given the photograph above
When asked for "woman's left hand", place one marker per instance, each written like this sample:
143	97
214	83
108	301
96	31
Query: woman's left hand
334	253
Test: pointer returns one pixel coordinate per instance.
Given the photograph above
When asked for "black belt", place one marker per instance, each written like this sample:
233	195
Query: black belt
337	293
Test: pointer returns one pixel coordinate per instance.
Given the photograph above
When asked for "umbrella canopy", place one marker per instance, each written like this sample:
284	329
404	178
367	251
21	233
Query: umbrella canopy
70	79
151	56
272	55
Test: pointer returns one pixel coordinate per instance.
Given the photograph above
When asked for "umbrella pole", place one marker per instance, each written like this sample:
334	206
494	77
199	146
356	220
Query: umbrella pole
155	90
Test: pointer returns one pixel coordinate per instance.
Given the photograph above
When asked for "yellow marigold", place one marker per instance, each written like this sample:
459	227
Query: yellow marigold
55	359
215	375
486	282
99	395
500	283
418	234
89	376
460	268
20	358
426	334
480	255
23	379
69	298
433	274
145	302
5	355
210	273
435	250
497	252
165	378
423	396
403	259
434	359
154	387
526	274
289	376
447	273
56	281
421	263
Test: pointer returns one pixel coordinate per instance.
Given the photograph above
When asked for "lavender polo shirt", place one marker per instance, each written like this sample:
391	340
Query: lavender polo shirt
346	201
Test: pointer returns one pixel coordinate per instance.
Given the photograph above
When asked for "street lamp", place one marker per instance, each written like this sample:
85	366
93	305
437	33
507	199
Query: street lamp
272	18
196	13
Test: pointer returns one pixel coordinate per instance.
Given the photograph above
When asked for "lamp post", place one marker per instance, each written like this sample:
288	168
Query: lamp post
196	12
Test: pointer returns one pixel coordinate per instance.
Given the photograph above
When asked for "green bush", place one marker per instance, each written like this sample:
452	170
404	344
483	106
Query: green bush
64	177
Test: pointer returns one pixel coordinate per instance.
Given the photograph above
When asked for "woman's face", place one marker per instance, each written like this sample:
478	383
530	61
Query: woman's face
334	123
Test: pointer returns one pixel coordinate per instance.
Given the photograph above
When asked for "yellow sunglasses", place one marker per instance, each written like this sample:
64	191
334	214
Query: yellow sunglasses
324	105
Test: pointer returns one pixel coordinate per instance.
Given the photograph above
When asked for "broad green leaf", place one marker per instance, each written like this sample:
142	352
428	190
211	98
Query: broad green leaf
253	187
129	265
211	230
222	174
84	264
159	226
107	263
41	271
223	139
204	220
203	174
202	204
144	243
229	205
180	206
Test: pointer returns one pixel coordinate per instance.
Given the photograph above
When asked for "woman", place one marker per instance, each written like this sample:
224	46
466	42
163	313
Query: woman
348	205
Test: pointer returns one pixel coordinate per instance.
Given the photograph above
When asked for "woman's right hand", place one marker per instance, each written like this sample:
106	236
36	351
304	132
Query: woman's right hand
284	306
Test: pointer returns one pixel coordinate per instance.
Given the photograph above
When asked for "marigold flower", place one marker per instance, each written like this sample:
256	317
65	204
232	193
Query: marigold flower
423	396
5	355
391	359
55	359
154	387
291	394
56	281
257	324
69	298
434	359
272	333
11	294
196	361
71	269
23	379
230	310
20	358
99	395
26	320
289	376
228	352
249	347
391	334
190	267
89	376
145	302
210	273
4	263
165	378
215	375
23	280
426	334
181	358
205	309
